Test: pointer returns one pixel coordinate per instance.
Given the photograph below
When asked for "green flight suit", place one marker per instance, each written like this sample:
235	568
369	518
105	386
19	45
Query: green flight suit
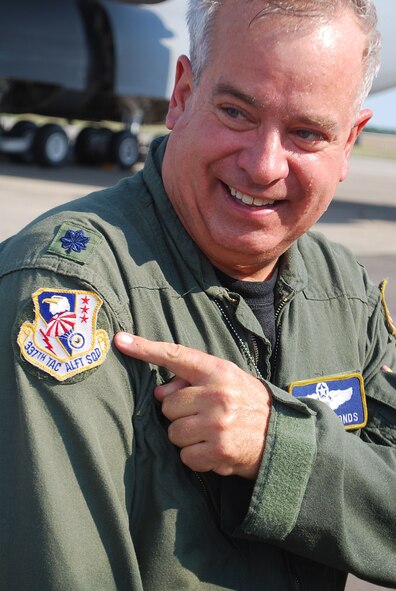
94	497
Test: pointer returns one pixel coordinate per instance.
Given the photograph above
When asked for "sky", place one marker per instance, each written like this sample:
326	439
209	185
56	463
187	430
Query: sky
384	103
384	106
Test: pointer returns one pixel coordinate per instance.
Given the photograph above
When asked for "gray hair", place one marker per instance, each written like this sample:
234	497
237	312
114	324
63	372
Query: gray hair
201	16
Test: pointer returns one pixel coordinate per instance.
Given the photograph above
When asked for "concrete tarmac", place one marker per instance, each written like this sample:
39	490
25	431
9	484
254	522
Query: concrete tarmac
362	216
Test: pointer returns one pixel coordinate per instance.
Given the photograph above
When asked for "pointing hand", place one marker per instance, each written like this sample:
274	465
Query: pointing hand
219	414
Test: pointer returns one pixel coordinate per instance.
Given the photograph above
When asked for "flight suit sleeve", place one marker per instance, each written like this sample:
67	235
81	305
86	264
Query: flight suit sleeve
326	494
66	440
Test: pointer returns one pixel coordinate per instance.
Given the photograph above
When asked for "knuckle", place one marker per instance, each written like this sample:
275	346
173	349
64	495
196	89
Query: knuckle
184	456
225	369
222	450
171	432
221	423
226	400
166	407
223	469
175	351
193	461
229	368
175	432
166	403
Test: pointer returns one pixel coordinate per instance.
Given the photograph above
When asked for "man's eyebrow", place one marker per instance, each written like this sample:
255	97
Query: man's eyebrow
323	122
224	88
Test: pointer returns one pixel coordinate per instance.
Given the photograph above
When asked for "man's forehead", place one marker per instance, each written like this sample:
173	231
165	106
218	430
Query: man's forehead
238	20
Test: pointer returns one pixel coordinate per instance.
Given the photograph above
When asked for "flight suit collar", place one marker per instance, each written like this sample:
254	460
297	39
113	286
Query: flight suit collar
200	267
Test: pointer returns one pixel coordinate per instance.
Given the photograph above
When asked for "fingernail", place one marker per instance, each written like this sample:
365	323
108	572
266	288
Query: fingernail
124	338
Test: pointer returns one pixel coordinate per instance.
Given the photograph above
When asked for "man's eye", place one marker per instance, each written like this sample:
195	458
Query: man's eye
232	112
311	136
235	118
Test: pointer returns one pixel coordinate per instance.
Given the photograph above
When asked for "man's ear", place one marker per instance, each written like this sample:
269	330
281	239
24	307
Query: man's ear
362	119
181	91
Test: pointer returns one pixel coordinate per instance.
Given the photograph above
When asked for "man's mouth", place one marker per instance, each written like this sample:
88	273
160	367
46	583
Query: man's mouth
248	199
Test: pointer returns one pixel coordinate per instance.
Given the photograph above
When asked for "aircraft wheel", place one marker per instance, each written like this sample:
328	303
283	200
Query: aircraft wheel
22	129
51	145
124	149
82	151
92	145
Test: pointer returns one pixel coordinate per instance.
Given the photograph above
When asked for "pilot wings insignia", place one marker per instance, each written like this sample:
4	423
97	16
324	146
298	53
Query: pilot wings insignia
343	394
334	398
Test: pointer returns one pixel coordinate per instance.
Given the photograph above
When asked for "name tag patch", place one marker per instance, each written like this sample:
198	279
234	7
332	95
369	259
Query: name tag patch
63	340
344	394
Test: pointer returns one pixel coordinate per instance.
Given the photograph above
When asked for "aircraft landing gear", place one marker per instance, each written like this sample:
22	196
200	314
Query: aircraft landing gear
25	130
124	149
51	145
98	145
91	146
25	142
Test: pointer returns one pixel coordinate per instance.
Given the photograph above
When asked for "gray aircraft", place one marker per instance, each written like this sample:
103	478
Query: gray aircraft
86	60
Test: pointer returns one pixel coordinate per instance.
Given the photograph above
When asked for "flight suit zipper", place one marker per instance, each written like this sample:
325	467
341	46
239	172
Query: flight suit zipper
279	309
243	346
202	485
255	347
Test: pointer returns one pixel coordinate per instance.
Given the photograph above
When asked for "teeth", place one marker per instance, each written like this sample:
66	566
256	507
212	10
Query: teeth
248	199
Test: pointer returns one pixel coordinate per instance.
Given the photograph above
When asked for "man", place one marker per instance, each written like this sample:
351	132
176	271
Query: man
247	439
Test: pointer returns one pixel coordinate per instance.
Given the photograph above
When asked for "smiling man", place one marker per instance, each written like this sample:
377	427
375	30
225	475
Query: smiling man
241	435
260	142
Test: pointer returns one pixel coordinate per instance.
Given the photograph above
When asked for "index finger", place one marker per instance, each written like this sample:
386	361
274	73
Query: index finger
190	364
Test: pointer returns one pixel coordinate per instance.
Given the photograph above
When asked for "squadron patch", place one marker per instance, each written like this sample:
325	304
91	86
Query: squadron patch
344	394
63	340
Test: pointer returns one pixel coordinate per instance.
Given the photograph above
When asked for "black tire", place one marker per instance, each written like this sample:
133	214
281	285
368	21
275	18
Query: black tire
51	145
82	152
92	145
124	149
21	129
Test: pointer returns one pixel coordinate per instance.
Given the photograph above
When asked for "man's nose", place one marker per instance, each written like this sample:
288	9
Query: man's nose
265	159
